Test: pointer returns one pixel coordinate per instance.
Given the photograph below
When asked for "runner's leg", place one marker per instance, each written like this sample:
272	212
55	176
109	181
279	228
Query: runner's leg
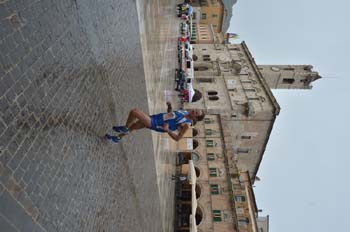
141	116
137	126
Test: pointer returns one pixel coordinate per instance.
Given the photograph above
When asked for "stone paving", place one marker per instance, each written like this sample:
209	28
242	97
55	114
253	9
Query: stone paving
70	69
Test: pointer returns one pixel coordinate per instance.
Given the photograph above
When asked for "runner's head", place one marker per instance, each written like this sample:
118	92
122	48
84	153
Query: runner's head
197	114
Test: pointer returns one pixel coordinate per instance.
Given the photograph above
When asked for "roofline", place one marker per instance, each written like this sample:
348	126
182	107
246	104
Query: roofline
252	192
261	78
264	148
272	98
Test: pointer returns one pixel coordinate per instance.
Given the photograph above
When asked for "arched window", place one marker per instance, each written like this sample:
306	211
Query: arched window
217	215
239	198
213	172
200	68
243	222
199	216
213	98
246	136
249	90
211	143
211	156
243	150
194	132
214	189
205	80
198	172
194	157
212	93
206	57
198	191
195	144
288	80
208	131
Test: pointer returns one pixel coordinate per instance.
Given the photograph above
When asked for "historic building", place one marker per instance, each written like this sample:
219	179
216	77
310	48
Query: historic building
202	34
236	89
228	146
223	198
215	12
208	12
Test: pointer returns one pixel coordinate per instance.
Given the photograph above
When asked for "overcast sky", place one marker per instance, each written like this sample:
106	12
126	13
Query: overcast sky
304	185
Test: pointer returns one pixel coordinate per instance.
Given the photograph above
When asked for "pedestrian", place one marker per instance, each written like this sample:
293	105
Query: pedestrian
169	122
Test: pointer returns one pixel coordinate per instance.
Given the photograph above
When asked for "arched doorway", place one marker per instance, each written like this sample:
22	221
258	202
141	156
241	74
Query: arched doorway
195	144
194	132
198	191
198	172
199	216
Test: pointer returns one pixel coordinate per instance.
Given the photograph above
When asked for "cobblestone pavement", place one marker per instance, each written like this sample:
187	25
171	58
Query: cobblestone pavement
160	88
70	69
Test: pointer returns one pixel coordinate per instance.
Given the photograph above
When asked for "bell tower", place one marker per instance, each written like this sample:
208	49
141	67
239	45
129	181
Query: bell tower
289	76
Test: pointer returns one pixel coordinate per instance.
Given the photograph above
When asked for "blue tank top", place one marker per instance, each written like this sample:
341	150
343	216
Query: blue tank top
174	119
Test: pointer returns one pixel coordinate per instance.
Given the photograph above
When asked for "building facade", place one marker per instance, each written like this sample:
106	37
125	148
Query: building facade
225	200
205	34
227	147
208	12
289	76
234	89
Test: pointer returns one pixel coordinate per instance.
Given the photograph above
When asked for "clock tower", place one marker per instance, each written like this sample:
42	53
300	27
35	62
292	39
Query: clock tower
289	76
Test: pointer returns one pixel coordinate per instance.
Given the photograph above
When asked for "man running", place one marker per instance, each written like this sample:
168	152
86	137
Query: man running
168	122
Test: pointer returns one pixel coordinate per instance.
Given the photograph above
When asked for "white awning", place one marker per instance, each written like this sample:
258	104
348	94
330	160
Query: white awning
194	200
193	225
192	179
192	174
191	92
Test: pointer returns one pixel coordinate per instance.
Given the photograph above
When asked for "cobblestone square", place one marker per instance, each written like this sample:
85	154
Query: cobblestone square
69	70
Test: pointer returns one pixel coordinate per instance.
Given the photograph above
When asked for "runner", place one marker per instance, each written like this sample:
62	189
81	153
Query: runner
168	122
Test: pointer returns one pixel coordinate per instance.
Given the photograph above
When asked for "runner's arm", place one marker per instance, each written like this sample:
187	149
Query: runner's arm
177	137
170	108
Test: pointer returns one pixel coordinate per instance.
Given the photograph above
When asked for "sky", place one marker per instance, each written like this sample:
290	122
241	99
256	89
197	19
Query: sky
304	183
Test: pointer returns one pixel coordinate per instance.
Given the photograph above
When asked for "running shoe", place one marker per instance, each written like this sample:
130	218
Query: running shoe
115	139
121	129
